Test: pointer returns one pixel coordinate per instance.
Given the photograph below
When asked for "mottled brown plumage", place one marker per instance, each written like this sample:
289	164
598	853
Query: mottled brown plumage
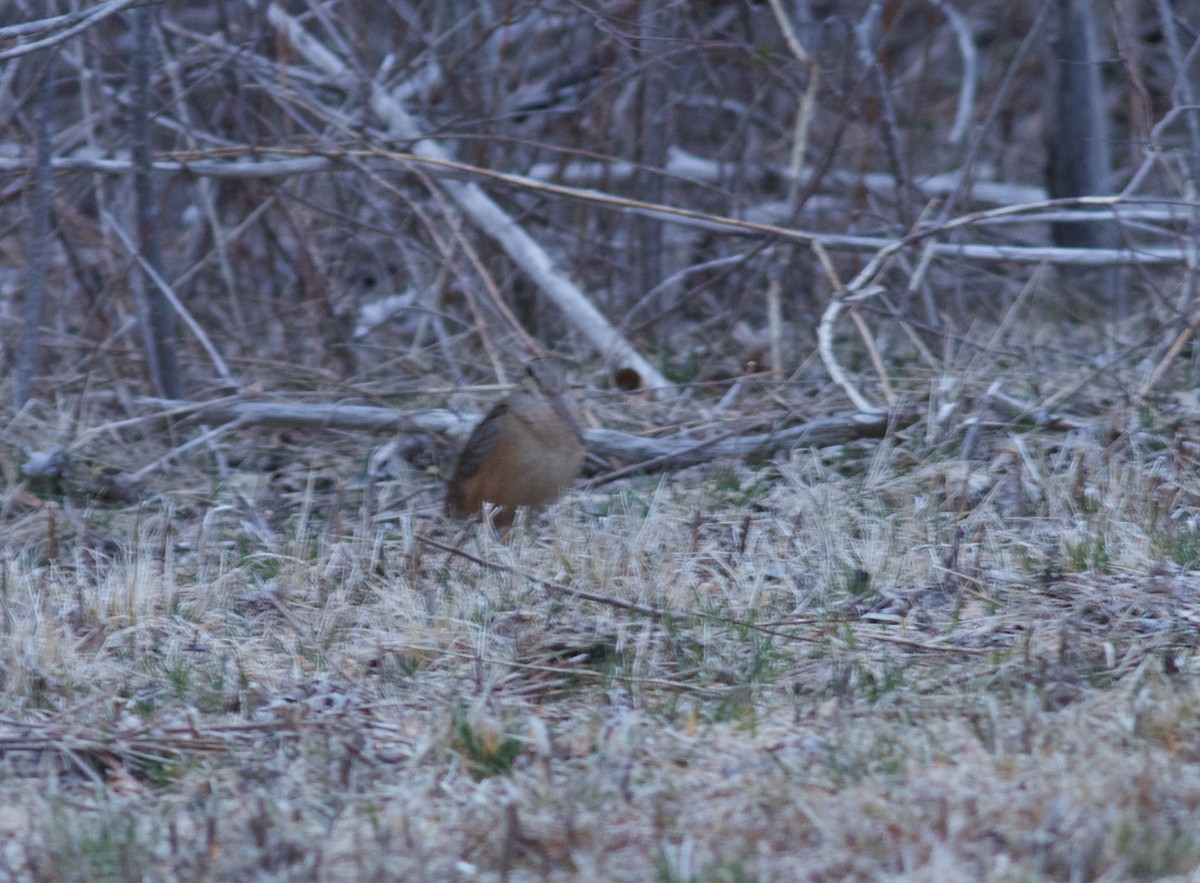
525	452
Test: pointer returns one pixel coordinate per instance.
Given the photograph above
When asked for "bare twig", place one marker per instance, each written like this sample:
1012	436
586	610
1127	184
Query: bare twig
970	74
68	25
825	345
158	322
808	101
176	304
41	198
559	588
889	125
825	337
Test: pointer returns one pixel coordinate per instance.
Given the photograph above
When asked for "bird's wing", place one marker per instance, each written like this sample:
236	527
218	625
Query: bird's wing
481	443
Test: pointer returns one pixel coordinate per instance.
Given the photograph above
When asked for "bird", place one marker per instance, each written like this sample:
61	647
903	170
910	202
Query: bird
525	452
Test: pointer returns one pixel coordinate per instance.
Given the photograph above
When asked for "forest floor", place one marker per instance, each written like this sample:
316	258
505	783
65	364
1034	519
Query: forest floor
962	652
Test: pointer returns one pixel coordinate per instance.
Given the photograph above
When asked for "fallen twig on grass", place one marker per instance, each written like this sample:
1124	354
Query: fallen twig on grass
769	628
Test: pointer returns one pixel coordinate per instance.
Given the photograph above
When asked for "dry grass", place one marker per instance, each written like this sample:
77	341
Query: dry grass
892	662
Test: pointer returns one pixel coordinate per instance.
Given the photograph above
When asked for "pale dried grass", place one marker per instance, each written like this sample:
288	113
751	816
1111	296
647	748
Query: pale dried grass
882	662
